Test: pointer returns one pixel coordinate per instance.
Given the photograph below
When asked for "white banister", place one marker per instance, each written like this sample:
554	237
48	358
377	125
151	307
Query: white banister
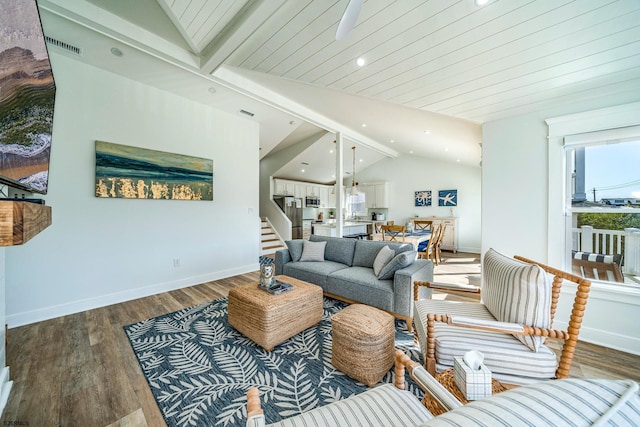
632	251
586	238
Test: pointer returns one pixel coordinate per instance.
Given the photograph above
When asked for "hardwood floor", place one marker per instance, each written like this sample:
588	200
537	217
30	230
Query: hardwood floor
80	370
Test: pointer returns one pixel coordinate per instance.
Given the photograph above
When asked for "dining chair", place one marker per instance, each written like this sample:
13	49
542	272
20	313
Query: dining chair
377	227
429	250
422	224
393	232
436	247
390	222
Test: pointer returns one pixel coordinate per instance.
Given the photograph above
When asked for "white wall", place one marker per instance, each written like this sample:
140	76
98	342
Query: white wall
408	174
101	251
515	220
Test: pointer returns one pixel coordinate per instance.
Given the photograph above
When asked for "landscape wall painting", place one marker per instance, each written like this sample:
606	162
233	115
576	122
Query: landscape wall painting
136	173
27	97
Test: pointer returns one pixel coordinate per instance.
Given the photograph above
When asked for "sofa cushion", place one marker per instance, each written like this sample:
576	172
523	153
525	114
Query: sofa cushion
402	260
338	249
360	284
366	251
312	272
517	292
313	251
295	249
384	256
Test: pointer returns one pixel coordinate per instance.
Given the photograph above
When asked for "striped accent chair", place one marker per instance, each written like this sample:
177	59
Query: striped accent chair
510	325
569	402
597	266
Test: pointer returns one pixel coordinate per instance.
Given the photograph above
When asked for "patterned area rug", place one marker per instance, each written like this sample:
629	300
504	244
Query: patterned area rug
199	368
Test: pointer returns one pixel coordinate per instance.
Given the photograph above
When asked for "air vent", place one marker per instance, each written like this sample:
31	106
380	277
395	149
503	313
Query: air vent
62	45
304	163
248	113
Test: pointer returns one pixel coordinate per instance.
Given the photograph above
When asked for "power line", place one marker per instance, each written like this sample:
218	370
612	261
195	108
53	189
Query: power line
616	186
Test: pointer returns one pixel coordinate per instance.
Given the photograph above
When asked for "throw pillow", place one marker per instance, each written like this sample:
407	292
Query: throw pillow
400	261
313	251
295	249
517	292
384	256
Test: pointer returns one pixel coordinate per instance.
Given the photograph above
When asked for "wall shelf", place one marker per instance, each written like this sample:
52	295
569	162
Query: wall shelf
21	221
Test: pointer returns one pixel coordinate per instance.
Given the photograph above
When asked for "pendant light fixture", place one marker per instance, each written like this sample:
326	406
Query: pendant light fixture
354	188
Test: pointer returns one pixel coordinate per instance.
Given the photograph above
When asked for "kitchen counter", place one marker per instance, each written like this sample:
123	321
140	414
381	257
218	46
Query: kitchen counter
348	228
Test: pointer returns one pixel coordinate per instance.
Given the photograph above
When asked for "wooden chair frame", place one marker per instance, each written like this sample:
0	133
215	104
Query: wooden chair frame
423	224
393	231
436	248
596	270
430	250
570	336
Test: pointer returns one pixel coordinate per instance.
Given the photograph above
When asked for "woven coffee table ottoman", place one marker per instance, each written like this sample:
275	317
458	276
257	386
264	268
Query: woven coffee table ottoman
269	320
363	343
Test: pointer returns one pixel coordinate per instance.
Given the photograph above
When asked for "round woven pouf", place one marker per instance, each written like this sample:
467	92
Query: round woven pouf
363	343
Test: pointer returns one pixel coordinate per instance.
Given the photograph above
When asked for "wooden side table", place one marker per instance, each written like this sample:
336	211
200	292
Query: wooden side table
446	379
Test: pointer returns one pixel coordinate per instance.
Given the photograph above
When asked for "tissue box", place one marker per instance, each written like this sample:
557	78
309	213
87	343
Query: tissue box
474	384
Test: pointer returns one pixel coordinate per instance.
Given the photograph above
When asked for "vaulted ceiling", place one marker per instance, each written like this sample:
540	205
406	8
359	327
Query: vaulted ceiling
435	69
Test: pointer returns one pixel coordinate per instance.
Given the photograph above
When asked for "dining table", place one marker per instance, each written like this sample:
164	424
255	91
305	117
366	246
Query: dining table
414	237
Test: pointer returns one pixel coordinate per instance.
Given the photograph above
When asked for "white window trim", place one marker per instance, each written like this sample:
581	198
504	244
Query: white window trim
610	121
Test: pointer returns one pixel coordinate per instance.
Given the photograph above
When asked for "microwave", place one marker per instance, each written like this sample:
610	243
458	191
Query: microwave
312	202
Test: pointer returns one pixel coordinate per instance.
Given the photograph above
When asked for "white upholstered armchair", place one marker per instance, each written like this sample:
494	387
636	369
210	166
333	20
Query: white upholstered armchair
511	324
573	402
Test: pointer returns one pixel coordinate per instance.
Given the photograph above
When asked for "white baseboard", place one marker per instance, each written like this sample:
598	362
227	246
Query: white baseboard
605	338
46	313
5	388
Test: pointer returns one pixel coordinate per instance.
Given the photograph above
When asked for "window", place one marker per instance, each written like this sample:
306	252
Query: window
356	205
603	206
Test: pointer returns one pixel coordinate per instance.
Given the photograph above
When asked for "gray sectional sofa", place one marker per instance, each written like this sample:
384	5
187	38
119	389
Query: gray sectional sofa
347	272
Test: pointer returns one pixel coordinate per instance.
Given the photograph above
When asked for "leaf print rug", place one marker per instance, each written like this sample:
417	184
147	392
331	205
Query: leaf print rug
199	367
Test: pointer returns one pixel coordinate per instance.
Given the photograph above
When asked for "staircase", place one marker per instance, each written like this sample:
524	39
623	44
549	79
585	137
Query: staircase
270	241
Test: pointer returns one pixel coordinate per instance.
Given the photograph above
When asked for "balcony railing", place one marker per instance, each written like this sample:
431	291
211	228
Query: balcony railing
611	242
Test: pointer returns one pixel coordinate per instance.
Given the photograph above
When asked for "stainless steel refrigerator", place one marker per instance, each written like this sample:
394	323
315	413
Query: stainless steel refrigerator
292	208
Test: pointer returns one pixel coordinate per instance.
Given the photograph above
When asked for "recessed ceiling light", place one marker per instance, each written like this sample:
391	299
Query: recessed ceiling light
392	141
410	151
361	160
360	62
364	125
427	132
481	2
330	151
458	160
333	176
302	170
212	89
116	52
446	149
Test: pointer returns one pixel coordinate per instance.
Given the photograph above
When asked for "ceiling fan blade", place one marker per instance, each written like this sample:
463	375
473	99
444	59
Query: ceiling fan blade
349	19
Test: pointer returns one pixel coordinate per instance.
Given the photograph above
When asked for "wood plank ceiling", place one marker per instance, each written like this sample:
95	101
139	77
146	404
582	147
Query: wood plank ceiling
444	56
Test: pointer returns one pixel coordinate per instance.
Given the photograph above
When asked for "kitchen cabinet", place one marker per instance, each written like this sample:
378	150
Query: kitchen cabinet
283	187
299	190
450	239
376	195
313	191
323	193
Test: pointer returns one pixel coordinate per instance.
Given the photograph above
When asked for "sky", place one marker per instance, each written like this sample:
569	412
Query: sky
613	169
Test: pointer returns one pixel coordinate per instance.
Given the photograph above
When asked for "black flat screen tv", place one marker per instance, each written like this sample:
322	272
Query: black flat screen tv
27	98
